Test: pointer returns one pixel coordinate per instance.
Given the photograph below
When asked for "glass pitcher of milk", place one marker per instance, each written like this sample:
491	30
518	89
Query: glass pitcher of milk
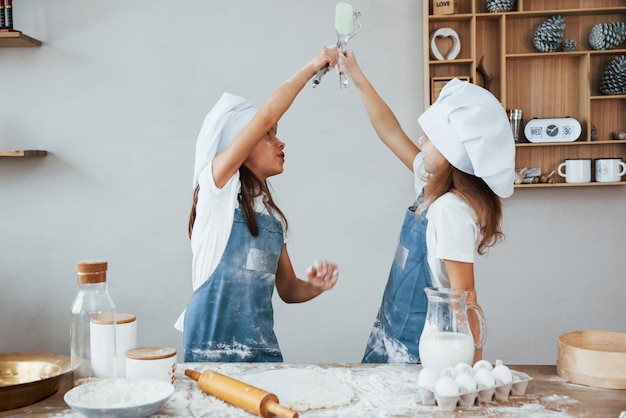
447	338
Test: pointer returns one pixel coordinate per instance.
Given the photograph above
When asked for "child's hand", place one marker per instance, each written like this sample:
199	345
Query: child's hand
323	274
326	56
347	64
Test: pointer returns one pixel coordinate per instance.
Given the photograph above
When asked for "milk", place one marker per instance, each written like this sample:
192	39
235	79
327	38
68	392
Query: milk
439	350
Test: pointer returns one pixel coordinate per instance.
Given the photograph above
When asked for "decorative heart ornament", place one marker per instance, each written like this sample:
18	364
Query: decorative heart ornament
445	33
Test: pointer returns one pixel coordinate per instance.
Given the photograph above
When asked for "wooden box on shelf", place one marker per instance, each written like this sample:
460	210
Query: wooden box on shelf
444	7
498	53
437	83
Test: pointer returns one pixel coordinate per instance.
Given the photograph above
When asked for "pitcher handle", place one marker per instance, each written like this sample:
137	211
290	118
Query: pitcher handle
482	325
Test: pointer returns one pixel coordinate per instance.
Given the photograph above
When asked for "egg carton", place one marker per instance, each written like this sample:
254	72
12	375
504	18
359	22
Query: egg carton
465	399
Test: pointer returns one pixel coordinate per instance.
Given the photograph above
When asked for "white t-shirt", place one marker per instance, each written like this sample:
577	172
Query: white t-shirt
215	211
452	232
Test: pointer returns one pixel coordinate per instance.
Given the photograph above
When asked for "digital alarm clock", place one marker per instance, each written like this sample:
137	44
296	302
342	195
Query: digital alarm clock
565	129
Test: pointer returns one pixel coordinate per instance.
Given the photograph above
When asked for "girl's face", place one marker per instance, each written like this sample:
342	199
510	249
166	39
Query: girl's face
267	158
433	159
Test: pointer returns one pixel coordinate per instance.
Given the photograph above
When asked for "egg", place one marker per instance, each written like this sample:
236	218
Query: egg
463	367
484	378
449	371
482	364
446	386
502	373
427	378
465	381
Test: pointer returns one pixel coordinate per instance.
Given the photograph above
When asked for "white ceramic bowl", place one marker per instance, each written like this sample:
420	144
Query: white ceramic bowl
119	398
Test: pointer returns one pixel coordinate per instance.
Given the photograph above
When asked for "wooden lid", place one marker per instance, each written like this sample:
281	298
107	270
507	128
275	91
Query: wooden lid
92	271
106	318
150	353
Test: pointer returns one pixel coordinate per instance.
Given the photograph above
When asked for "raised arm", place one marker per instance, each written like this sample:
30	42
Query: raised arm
381	117
227	162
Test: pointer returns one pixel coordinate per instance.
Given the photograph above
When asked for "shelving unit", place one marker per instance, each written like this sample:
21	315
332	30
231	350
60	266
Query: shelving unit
15	38
543	85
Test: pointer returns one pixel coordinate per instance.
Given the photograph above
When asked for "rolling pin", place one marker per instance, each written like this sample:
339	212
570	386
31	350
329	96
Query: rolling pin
240	394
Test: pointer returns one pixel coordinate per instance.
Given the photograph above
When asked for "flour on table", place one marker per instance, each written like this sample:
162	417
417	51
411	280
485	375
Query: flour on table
303	389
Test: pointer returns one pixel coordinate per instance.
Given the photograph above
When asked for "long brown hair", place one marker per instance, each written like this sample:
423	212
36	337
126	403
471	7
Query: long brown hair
475	192
251	187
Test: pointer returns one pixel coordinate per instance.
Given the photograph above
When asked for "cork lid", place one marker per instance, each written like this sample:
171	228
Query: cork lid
106	318
150	353
92	271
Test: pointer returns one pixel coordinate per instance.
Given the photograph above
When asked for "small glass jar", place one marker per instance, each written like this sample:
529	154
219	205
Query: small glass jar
92	298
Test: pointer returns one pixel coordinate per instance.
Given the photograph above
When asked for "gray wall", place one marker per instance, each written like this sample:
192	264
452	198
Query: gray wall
117	94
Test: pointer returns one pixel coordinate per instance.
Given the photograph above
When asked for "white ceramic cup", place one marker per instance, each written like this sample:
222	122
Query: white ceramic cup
151	363
609	169
106	361
577	170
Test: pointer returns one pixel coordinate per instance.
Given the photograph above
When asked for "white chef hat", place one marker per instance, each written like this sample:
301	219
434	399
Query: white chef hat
220	127
470	128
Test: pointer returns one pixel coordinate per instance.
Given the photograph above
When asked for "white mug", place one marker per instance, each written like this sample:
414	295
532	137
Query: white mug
609	169
151	363
577	170
105	361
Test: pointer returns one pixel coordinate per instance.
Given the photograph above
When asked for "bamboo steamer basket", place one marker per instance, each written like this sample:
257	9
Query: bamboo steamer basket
593	358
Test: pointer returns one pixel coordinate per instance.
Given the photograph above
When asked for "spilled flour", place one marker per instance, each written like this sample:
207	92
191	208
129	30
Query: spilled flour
304	389
354	390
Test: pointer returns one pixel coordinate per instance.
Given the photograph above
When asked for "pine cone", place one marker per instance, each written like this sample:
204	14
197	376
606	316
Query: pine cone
614	78
497	6
607	35
548	36
570	45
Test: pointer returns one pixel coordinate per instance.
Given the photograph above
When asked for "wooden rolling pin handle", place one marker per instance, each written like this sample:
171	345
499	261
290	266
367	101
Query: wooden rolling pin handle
192	374
279	410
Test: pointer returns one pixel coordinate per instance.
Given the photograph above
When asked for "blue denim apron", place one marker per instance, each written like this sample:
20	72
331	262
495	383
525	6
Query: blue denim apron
395	335
230	317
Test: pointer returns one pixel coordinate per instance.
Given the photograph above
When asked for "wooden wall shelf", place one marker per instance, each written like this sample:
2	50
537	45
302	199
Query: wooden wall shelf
17	39
23	153
547	185
543	85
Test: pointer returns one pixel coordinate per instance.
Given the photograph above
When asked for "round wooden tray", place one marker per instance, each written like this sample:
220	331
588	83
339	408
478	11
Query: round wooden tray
26	378
593	358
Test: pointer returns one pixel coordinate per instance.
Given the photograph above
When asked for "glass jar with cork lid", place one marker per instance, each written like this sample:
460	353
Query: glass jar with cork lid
92	298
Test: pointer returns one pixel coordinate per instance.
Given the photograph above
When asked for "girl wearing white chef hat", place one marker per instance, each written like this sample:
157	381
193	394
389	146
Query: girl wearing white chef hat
466	164
237	231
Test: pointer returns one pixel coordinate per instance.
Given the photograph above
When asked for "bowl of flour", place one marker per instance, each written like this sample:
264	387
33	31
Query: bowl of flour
119	398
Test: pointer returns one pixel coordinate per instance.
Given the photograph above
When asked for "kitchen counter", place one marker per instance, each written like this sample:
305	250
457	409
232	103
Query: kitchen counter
381	390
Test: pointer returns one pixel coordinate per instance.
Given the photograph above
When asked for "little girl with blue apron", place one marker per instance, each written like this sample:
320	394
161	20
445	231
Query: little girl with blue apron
469	128
237	232
230	317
